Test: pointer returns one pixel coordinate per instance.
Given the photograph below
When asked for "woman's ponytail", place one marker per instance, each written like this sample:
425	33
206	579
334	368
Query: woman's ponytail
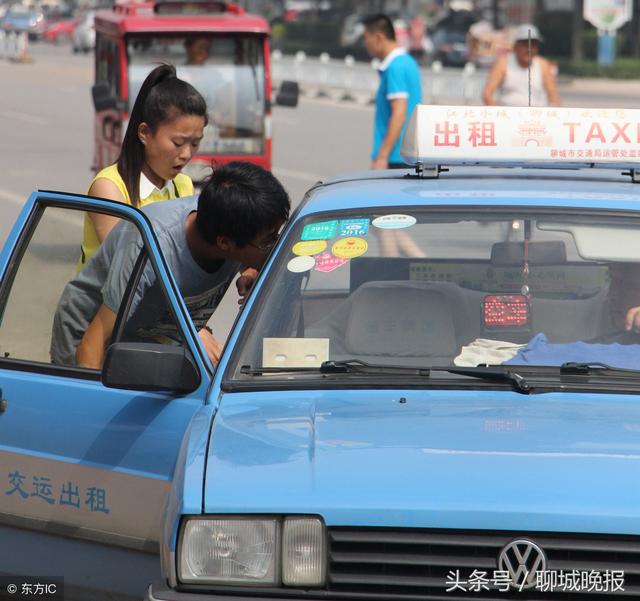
131	157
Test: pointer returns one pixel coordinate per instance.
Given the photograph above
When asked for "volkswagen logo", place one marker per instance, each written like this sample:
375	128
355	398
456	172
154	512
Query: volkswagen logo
522	559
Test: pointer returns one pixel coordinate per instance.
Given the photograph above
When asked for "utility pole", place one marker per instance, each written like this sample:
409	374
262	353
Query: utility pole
495	7
635	29
577	27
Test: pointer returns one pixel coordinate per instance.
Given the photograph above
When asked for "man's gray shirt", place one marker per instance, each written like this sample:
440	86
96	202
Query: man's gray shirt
105	277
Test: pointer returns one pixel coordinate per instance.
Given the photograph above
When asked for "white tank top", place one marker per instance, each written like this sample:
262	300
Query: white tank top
515	87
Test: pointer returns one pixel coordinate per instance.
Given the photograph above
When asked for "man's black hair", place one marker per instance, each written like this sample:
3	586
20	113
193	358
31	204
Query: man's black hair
380	23
240	200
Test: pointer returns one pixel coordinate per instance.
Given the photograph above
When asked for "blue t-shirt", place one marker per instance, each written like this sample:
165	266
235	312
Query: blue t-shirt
400	79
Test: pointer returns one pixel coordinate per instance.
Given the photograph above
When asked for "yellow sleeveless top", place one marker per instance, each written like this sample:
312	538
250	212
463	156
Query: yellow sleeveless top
182	186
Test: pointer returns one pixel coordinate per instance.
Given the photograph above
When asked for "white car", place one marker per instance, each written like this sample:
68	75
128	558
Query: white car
84	36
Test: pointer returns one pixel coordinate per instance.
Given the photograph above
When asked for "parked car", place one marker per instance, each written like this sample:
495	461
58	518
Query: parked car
430	392
449	37
21	19
450	47
61	31
84	36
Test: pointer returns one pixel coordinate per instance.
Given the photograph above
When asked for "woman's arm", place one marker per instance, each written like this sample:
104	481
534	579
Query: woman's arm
104	188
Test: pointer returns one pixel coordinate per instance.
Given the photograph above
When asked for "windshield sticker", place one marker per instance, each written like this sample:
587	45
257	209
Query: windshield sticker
354	227
394	222
294	352
300	264
323	230
349	248
326	263
310	247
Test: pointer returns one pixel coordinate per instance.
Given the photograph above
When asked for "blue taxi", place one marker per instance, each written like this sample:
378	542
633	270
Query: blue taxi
433	391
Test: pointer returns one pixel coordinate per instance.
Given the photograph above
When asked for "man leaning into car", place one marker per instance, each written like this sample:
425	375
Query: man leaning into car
206	241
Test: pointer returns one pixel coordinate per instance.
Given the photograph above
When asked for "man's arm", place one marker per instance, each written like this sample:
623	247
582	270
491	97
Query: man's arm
394	129
90	351
549	82
494	81
211	345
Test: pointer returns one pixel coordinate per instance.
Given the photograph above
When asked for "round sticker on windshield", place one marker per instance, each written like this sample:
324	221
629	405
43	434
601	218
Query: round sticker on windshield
300	264
310	247
349	248
394	222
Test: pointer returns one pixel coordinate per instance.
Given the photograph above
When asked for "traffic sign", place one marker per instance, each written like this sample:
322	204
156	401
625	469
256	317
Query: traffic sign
607	15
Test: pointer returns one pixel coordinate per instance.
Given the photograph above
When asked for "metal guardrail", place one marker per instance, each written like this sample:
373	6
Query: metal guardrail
351	81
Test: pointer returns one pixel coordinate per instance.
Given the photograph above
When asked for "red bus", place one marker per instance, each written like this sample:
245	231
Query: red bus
216	46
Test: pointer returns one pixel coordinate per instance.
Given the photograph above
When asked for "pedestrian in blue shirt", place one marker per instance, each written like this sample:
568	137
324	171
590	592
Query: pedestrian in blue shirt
398	93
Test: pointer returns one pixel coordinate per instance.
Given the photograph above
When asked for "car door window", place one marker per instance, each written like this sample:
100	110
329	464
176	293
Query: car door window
46	302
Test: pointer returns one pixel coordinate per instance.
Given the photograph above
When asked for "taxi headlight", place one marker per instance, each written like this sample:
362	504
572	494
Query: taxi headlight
303	552
258	551
229	551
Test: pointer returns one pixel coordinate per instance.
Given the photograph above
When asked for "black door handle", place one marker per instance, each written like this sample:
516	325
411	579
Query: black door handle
3	406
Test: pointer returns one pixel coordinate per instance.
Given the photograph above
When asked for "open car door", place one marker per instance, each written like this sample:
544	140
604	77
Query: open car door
86	467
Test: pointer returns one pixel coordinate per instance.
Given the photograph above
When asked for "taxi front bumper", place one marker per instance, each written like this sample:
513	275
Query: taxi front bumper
159	591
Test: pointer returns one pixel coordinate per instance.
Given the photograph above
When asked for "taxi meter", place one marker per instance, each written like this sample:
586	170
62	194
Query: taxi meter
439	135
217	47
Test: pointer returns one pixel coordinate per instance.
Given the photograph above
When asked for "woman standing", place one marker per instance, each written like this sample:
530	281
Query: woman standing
164	132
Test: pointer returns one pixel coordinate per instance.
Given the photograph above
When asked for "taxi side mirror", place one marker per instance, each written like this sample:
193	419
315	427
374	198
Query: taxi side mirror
288	93
103	99
149	366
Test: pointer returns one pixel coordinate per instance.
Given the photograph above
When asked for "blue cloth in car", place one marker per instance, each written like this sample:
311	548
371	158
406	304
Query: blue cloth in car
540	352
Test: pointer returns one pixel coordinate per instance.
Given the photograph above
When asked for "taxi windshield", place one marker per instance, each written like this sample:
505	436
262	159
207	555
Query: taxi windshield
435	287
228	70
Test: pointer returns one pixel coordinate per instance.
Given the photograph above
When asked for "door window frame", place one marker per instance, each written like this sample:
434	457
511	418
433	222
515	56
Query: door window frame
26	226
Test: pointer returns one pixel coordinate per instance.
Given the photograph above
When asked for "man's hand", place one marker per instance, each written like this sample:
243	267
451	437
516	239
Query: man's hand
632	320
380	164
211	345
245	282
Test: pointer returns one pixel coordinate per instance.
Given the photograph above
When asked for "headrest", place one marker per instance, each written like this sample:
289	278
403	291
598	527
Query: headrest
402	319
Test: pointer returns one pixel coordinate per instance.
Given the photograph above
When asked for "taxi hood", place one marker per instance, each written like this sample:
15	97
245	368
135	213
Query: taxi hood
445	459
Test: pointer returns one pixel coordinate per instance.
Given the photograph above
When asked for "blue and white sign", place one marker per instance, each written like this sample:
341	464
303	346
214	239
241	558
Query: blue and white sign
354	227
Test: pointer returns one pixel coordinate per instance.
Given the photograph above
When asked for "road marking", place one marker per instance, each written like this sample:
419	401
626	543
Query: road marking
12	197
69	89
343	104
302	175
33	119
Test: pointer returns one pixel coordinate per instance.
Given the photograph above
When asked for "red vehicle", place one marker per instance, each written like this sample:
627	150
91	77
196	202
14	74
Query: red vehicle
61	31
216	46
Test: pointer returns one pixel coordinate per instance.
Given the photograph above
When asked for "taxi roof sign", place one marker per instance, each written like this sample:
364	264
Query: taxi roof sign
496	135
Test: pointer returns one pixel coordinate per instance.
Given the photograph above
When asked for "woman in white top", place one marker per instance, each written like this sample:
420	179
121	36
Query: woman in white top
509	76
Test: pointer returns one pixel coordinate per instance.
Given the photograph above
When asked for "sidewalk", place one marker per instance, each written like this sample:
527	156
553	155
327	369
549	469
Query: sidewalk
598	86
